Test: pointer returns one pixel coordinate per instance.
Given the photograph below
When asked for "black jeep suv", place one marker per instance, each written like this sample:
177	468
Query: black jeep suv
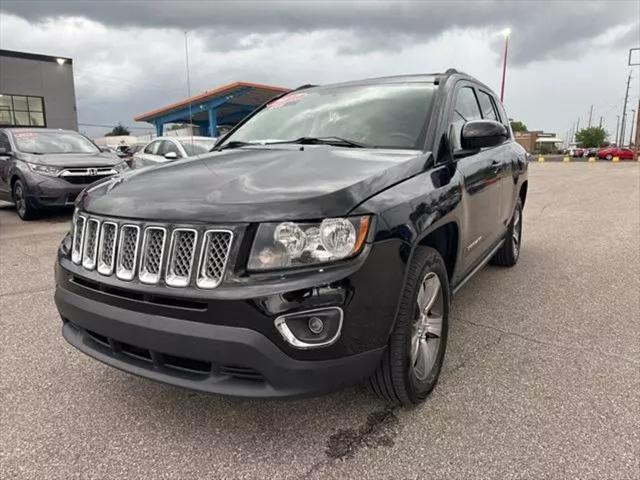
318	245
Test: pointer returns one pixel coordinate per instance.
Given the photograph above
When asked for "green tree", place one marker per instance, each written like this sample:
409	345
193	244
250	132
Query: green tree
591	137
177	126
518	126
117	131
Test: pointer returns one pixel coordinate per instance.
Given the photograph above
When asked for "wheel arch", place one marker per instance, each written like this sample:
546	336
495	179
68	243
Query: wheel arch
523	191
13	179
444	239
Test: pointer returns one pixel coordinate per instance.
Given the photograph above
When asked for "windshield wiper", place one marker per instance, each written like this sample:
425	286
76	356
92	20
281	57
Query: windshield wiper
338	141
232	144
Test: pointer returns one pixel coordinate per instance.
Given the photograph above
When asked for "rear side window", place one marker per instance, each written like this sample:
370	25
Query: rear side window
503	117
487	107
466	109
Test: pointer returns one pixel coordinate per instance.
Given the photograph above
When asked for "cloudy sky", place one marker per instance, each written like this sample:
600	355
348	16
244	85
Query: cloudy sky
129	57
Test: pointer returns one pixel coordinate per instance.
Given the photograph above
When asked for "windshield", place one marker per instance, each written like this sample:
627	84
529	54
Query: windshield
53	142
197	147
385	116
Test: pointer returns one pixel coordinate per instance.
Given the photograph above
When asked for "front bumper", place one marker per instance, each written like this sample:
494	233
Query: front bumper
44	191
210	358
230	345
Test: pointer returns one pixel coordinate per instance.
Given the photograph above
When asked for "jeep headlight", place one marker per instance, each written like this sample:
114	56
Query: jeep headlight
299	244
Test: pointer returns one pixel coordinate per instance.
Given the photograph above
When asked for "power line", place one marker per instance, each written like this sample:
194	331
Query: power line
113	125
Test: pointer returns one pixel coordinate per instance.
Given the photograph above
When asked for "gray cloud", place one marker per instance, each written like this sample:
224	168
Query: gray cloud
541	29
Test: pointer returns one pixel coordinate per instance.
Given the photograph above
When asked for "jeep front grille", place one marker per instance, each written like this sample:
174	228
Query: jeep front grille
127	252
90	250
107	247
78	235
153	254
181	253
213	261
152	251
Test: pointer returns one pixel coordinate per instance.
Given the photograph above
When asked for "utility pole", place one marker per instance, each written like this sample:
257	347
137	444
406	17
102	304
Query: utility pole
186	58
633	116
600	122
617	127
590	113
624	111
506	32
637	142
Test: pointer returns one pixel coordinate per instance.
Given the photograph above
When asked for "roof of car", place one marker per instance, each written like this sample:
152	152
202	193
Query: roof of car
184	138
31	129
417	77
435	78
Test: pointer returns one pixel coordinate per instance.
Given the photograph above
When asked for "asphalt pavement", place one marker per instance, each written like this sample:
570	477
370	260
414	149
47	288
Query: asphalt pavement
541	378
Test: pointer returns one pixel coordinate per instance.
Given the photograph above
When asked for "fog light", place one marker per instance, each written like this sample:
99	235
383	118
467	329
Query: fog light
311	329
316	325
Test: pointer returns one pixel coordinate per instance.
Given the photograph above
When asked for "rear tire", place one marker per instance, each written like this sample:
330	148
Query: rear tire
609	157
411	365
23	206
509	252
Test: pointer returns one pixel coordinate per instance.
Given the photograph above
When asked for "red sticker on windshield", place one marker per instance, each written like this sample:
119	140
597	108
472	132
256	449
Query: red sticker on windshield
25	135
286	100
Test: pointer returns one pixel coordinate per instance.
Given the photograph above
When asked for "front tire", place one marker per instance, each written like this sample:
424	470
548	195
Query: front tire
23	207
411	365
609	157
509	252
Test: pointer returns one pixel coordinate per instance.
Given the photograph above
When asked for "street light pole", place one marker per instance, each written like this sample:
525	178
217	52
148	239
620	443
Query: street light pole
617	127
624	113
506	32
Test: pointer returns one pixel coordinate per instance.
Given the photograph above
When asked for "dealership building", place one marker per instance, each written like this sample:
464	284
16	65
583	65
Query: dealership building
37	91
223	106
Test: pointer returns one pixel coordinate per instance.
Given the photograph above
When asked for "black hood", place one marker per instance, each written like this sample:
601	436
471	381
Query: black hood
255	184
73	160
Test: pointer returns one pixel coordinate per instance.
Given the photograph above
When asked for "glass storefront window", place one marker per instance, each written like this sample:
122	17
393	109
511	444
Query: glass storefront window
22	111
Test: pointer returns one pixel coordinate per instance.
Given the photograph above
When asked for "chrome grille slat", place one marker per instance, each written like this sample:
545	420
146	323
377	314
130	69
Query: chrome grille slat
152	252
178	256
181	254
90	248
214	256
107	248
78	236
127	252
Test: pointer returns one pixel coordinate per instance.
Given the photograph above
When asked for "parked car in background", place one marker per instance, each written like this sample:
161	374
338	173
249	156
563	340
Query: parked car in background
167	149
591	152
317	246
42	167
608	153
577	152
130	150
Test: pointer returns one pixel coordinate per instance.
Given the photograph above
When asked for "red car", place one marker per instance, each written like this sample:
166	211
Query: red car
609	152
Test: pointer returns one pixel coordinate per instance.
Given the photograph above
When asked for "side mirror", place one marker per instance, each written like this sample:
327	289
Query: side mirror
171	156
4	152
482	133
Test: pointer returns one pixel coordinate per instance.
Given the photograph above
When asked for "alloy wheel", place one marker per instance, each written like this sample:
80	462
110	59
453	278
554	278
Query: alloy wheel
427	327
20	201
516	232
